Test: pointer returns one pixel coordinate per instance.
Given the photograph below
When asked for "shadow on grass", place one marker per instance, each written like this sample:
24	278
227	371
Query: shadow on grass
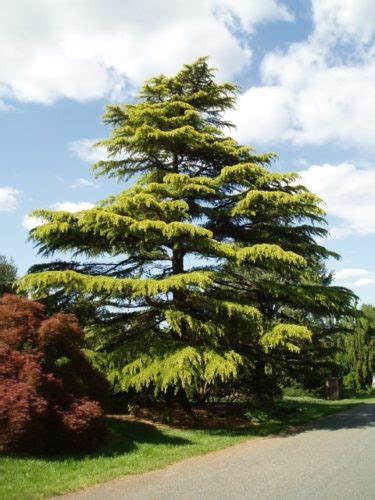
123	437
358	416
293	418
284	419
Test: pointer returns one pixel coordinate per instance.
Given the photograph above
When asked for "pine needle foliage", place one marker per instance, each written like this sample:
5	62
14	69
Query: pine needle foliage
158	256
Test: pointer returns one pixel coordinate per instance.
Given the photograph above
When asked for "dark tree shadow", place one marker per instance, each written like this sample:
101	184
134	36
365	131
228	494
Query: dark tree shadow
283	422
123	437
359	417
127	435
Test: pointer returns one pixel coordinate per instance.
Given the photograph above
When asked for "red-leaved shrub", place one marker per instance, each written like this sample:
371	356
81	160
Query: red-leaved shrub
22	408
37	411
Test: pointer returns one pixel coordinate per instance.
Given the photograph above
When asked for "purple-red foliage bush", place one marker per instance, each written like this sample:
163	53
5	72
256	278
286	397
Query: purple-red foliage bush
21	407
37	412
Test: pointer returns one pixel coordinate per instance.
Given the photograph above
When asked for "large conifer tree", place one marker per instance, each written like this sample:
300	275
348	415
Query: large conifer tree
203	216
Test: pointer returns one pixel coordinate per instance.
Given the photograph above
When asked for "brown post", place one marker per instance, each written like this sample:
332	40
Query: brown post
332	388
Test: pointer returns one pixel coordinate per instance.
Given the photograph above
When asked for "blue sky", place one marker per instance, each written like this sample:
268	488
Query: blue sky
307	73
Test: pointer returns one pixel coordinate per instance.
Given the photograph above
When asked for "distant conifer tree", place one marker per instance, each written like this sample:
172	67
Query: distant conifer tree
8	273
356	358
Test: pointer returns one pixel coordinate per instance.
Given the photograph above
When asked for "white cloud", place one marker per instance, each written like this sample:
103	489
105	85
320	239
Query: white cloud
252	12
8	199
348	273
29	222
71	206
319	90
262	114
364	282
354	277
337	232
348	18
81	182
84	149
348	192
93	48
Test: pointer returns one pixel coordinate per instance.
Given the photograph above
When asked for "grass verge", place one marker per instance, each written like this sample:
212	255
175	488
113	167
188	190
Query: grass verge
135	447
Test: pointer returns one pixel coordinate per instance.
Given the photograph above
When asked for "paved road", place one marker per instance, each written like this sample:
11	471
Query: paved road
334	459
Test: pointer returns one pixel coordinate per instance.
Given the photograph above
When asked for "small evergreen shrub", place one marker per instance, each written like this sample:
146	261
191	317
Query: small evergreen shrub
297	391
257	416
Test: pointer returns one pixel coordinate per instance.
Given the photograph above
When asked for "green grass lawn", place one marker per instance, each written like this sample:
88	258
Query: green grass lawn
135	447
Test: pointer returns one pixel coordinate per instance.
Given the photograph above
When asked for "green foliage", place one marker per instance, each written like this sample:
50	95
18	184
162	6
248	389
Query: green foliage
184	265
257	416
180	368
356	357
285	335
8	274
297	391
